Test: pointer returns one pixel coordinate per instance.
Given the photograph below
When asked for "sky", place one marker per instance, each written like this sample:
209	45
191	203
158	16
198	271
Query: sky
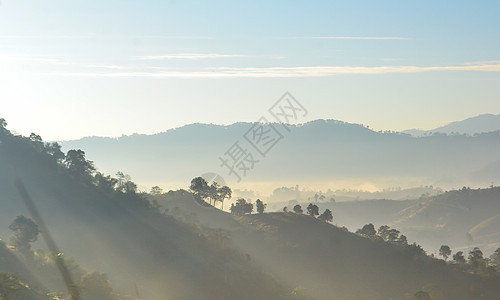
70	69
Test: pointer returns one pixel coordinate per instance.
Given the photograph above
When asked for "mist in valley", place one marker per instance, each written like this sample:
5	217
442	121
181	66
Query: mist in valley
165	150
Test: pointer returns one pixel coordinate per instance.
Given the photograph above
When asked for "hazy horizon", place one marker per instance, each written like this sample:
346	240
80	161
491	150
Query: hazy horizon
107	69
443	123
216	150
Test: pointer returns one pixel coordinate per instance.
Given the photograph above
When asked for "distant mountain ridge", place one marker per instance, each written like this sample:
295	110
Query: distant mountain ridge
478	124
317	151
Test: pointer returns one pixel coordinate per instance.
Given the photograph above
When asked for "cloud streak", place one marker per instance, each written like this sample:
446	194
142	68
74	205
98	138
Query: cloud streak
32	59
188	56
100	36
349	38
282	72
109	67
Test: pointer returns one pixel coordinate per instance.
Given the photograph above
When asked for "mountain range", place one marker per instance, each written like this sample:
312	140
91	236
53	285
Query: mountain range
173	246
319	154
478	124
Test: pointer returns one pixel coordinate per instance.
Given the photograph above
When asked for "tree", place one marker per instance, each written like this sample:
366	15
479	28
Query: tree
130	187
241	207
122	179
201	191
260	206
383	232
475	257
156	190
312	210
25	233
402	240
285	209
199	187
3	125
367	230
95	285
459	257
78	165
54	149
124	184
212	192
416	250
326	216
445	251
105	183
224	193
387	234
392	235
297	209
495	257
36	141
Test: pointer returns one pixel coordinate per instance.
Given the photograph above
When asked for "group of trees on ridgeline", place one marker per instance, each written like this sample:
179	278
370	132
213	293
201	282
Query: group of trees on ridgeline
313	211
475	262
242	207
384	233
202	191
213	193
78	167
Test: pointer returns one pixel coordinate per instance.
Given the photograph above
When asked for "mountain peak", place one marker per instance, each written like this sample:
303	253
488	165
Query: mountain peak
478	124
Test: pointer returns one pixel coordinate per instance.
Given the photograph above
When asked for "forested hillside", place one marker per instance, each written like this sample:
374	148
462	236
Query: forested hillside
329	262
107	226
175	245
316	152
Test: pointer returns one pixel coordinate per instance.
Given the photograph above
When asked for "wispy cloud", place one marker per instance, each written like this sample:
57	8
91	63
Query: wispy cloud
188	56
110	67
391	59
283	72
34	59
349	38
93	36
484	62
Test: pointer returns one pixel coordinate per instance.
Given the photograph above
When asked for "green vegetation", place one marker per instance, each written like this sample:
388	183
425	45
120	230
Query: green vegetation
25	233
203	191
385	262
445	251
261	206
171	247
241	207
298	209
109	225
326	216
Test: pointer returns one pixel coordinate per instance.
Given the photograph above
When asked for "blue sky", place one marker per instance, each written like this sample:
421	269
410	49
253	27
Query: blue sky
76	68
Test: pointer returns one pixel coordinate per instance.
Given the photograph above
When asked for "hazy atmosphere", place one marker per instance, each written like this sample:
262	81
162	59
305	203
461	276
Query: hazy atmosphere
249	150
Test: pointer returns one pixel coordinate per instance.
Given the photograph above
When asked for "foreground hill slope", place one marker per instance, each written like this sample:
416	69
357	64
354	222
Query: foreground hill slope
462	219
328	262
459	218
120	233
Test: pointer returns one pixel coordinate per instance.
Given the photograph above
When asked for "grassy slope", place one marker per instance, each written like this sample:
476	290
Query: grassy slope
123	236
433	220
331	263
451	215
